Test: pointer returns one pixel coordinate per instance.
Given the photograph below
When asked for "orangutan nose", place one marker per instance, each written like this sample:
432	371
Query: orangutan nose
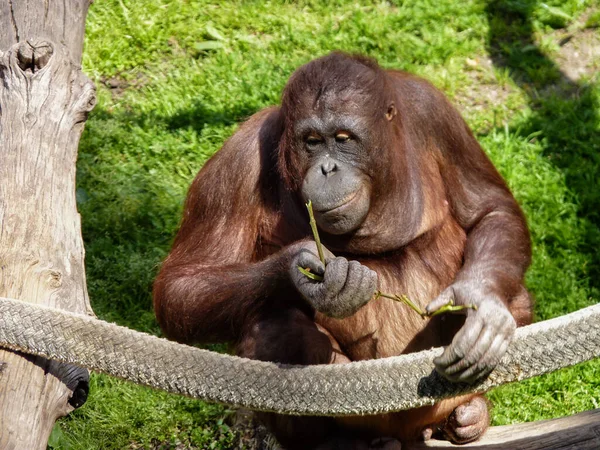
328	167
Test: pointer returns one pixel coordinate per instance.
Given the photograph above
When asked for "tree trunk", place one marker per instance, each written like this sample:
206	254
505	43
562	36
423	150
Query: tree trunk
44	101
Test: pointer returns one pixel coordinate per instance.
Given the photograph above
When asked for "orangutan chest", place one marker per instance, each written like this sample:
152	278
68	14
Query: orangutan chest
385	327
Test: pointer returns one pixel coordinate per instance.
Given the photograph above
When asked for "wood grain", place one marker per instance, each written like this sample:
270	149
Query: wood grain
44	100
578	432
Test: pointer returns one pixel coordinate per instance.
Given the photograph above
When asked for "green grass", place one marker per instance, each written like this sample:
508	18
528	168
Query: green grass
175	78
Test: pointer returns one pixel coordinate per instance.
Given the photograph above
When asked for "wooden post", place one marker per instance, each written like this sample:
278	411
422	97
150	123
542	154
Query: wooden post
44	101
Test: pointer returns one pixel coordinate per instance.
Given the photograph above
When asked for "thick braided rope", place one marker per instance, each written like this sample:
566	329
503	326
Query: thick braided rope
365	387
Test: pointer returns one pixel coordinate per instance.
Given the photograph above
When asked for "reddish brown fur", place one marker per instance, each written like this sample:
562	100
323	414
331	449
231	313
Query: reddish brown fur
438	208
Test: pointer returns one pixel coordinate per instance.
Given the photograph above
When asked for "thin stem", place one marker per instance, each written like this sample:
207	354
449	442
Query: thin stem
402	299
309	274
313	225
448	307
451	307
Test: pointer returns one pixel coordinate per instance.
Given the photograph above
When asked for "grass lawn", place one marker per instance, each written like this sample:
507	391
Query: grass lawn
176	77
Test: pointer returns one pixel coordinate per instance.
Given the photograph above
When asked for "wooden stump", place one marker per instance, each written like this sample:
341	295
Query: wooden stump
44	101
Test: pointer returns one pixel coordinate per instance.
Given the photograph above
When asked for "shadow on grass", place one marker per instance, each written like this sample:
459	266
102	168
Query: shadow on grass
564	110
200	115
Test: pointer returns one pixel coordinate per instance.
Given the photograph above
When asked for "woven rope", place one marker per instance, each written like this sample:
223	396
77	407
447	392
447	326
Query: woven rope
365	387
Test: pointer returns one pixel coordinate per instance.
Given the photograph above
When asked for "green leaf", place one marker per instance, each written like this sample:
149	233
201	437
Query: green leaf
554	11
213	33
208	45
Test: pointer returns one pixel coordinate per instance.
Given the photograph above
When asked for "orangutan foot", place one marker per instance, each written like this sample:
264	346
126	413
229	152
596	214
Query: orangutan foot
427	433
468	421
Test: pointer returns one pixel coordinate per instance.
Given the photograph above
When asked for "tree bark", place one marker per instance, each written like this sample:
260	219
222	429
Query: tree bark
44	101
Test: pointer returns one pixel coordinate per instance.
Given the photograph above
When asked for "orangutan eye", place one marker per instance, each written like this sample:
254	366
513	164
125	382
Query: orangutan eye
313	139
342	136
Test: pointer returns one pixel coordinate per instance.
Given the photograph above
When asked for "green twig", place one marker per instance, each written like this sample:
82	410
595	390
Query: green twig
449	307
313	225
309	274
403	299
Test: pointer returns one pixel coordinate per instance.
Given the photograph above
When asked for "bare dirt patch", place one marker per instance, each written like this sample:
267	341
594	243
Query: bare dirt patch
577	57
119	84
579	54
483	92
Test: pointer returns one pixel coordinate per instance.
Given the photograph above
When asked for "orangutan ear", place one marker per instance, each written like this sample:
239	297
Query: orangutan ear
391	112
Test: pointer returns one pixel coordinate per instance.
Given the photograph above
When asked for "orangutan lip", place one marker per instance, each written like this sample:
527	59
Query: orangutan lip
345	203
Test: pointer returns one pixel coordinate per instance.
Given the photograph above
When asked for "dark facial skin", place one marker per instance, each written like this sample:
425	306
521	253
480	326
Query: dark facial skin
334	182
407	201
